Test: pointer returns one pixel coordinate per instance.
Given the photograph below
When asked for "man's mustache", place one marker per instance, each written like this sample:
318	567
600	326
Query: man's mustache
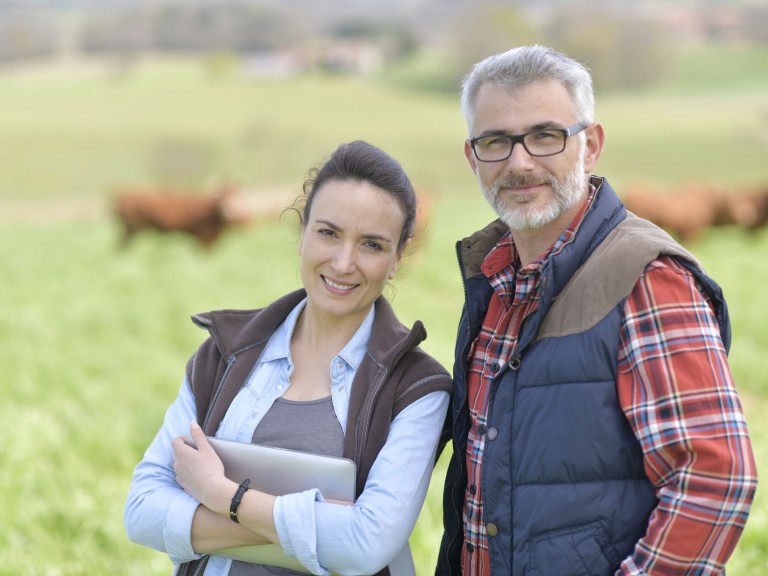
522	181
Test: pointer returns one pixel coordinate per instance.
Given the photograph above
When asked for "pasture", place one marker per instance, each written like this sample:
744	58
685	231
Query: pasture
93	341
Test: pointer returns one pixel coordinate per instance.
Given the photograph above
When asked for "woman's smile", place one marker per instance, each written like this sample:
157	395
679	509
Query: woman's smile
338	286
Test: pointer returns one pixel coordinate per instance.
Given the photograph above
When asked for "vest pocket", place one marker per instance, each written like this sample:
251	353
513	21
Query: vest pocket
582	550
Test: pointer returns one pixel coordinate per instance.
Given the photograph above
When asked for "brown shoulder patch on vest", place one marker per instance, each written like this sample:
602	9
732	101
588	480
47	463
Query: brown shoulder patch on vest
608	276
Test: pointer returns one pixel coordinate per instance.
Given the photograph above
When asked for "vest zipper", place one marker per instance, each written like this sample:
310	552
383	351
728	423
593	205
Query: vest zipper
219	388
201	565
364	417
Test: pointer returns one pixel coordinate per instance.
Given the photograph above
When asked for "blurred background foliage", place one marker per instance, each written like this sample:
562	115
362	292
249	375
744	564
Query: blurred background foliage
627	44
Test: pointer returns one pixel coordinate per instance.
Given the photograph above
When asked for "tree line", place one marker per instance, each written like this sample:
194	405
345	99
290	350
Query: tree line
624	48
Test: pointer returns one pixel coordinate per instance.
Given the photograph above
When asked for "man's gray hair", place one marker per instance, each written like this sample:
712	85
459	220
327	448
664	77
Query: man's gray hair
521	66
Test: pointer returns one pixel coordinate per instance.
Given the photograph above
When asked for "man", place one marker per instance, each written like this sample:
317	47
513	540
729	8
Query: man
596	428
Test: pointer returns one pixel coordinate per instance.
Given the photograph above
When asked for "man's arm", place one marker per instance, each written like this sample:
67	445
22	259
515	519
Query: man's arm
676	389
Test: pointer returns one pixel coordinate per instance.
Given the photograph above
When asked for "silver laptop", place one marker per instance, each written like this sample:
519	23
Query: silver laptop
279	471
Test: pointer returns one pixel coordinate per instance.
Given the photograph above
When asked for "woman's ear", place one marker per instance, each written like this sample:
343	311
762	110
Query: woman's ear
301	241
393	269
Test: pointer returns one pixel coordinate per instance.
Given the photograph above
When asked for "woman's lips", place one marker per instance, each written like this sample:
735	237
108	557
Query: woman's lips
339	286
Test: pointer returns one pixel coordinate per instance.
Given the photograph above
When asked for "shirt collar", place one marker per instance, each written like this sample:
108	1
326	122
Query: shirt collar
279	345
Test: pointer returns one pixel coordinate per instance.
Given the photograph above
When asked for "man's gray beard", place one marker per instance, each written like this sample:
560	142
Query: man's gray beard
566	194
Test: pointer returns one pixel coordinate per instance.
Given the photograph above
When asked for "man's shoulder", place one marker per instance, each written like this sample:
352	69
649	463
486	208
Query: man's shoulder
635	242
608	276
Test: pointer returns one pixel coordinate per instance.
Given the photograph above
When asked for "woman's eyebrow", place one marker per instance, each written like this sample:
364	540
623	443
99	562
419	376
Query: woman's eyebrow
369	236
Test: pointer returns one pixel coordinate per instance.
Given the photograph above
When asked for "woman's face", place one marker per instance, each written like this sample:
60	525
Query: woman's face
349	248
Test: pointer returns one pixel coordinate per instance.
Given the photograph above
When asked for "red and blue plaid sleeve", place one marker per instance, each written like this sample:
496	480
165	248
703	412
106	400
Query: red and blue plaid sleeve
677	392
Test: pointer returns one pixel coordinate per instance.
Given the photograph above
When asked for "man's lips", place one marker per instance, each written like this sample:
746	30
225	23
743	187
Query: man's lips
521	186
520	189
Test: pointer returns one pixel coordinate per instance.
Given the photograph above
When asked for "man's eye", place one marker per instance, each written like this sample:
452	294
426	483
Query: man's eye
543	135
494	142
374	246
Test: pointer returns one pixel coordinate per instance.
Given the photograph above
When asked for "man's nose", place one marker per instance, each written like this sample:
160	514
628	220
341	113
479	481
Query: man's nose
520	160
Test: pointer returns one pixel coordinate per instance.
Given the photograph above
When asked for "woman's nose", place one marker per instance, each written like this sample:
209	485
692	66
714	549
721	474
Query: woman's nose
344	259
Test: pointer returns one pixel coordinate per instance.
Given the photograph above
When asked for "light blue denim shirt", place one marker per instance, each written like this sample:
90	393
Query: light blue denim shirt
324	537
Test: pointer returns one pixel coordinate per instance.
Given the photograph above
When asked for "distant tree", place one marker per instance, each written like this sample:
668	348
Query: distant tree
192	28
480	31
396	39
622	50
25	34
125	34
755	23
220	64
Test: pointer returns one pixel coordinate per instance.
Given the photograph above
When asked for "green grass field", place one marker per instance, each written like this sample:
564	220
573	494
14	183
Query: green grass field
93	342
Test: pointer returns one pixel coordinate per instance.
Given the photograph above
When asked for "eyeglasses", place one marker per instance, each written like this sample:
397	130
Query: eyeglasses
498	147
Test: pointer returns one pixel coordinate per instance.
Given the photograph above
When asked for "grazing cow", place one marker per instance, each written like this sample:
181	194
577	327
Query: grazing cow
204	217
749	209
689	210
685	213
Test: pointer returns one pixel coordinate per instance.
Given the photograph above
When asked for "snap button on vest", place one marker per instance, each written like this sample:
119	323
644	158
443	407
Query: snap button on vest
491	529
492	433
481	429
515	363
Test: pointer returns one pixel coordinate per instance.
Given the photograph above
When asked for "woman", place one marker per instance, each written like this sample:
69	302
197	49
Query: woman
327	369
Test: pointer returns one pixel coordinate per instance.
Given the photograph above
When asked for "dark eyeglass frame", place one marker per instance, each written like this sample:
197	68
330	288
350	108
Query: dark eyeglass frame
515	138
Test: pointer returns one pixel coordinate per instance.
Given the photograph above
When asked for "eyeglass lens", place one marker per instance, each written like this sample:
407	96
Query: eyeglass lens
538	143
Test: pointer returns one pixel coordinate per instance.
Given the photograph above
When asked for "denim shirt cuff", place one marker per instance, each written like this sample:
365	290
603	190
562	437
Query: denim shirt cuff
177	530
294	517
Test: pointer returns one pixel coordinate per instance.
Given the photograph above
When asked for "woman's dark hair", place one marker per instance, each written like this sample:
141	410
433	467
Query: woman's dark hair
362	162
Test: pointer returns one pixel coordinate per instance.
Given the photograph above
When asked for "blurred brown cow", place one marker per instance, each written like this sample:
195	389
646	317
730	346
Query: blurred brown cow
204	217
691	209
749	209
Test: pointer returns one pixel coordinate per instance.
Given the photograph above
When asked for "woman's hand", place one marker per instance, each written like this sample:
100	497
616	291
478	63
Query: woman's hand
200	471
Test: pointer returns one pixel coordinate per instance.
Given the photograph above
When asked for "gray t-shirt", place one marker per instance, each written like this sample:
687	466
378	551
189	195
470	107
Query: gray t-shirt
308	426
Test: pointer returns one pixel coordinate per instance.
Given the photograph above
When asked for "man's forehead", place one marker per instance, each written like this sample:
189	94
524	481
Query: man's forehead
499	109
547	88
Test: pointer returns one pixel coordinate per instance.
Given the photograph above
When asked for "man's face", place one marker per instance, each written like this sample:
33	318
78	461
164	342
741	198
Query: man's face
530	192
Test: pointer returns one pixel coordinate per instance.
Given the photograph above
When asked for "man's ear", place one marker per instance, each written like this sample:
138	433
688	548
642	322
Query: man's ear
470	156
595	141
